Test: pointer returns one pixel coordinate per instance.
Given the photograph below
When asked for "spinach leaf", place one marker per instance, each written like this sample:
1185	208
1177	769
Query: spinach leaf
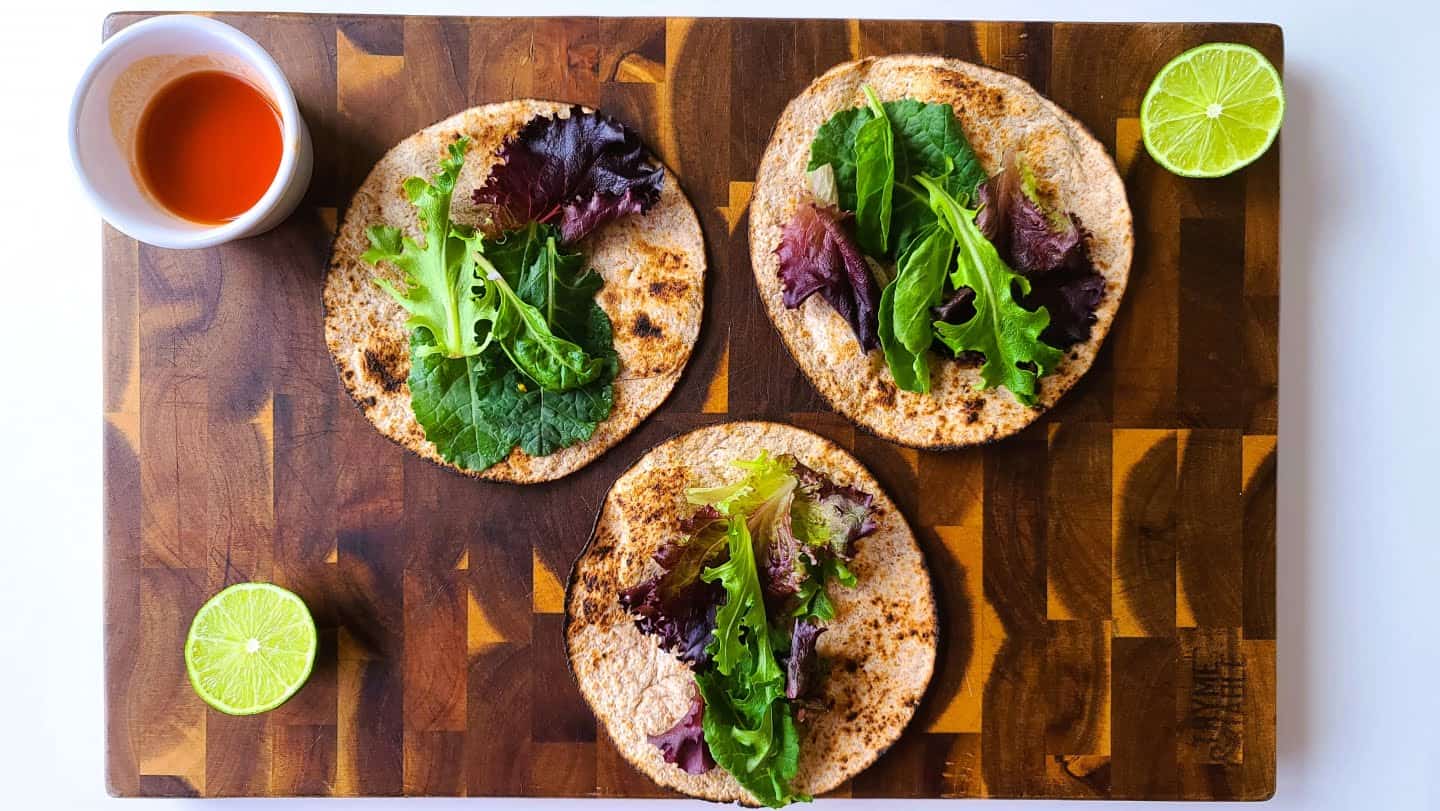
548	421
874	178
927	140
918	286
438	275
1006	333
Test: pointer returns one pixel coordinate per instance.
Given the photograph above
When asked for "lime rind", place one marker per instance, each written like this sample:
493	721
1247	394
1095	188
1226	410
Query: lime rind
239	681
1173	112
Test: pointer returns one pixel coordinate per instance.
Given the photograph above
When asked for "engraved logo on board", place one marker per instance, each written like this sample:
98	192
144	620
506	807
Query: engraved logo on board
1216	722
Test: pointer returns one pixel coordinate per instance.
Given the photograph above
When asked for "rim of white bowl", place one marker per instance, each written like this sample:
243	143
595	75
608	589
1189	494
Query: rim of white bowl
279	92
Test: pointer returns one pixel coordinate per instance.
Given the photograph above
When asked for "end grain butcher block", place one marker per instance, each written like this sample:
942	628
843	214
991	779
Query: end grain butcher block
1106	578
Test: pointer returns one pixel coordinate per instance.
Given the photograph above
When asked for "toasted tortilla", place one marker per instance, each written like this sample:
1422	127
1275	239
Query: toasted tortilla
653	266
880	647
999	113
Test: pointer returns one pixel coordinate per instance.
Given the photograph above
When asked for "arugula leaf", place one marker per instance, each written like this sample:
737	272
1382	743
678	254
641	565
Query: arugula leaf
555	282
477	409
440	274
523	332
906	332
1006	333
749	726
874	178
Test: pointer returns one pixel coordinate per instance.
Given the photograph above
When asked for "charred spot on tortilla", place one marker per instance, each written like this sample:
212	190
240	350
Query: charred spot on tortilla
868	668
645	328
1014	134
629	246
667	289
383	368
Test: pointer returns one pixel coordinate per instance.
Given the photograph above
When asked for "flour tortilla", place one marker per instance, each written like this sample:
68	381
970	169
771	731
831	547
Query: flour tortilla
999	113
880	647
653	266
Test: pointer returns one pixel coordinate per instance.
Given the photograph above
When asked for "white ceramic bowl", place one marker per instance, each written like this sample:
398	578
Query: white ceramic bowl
113	93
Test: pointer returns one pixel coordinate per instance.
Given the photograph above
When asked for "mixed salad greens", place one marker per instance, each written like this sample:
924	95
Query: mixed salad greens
507	344
741	597
943	259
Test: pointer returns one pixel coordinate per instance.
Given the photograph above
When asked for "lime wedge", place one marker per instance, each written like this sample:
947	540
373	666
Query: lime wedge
250	648
1212	110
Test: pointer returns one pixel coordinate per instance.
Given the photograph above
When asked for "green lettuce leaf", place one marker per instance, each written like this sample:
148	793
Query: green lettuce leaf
765	475
813	599
874	179
440	273
1006	333
748	725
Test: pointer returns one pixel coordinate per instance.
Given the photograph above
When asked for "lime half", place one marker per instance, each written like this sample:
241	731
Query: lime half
250	648
1212	110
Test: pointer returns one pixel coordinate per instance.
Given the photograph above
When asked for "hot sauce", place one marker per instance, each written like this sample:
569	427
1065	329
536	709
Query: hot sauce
208	146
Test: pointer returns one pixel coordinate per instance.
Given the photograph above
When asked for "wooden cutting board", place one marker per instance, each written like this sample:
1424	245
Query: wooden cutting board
1106	578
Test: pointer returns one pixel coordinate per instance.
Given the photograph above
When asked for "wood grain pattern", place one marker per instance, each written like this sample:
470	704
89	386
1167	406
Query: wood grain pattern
1107	578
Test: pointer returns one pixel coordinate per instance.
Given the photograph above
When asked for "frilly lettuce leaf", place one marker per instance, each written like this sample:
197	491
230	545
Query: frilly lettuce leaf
1007	334
439	274
749	726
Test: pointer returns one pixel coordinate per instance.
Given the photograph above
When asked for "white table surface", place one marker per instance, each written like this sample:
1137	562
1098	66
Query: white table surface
1358	548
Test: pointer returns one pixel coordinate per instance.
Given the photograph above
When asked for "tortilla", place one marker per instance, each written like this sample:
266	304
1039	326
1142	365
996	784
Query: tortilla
653	265
998	113
880	646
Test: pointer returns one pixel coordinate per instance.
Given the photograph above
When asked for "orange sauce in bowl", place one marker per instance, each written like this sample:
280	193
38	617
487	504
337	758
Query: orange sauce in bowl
208	146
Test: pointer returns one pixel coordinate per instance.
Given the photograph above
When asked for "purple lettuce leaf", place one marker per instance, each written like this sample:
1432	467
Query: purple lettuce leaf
684	744
1032	240
818	255
1071	297
800	664
579	171
1046	246
777	550
840	514
676	606
957	308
